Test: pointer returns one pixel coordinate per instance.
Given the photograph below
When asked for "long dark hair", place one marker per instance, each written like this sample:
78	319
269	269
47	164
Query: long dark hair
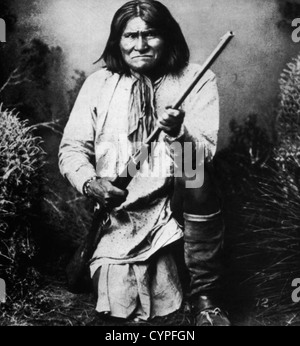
156	15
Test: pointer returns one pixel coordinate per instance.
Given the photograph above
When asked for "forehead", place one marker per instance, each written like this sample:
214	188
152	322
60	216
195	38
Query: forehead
136	25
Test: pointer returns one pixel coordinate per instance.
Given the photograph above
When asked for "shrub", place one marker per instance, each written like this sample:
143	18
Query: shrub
266	234
287	153
21	160
280	198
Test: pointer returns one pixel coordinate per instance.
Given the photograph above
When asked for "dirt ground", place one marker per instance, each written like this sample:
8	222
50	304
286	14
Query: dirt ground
68	309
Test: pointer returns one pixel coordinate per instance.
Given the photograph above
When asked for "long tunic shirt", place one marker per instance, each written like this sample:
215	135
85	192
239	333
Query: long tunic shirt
96	142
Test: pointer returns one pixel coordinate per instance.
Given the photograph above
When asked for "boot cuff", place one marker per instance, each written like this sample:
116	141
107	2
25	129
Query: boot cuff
200	218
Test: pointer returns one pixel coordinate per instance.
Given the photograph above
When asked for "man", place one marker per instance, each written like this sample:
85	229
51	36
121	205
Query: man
147	66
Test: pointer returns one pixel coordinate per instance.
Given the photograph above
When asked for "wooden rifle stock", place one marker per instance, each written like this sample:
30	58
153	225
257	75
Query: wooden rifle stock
78	268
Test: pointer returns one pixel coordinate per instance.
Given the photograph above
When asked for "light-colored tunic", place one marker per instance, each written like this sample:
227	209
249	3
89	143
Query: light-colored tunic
95	142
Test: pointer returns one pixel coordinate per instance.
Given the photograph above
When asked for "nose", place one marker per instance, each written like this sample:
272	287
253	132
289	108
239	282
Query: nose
141	43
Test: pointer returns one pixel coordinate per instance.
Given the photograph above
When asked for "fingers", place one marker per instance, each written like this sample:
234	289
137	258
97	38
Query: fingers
167	120
171	116
107	194
113	190
168	129
113	201
171	120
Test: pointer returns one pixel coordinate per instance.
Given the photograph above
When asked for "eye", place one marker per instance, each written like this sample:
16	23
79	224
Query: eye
151	34
130	35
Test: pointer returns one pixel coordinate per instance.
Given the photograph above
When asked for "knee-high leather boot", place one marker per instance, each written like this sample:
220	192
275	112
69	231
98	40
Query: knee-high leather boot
203	240
203	243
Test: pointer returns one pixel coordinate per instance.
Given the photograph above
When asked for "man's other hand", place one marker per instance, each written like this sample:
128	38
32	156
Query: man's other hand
106	193
171	121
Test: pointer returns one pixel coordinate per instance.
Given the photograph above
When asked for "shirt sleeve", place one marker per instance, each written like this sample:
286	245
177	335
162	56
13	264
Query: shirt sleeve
76	151
201	124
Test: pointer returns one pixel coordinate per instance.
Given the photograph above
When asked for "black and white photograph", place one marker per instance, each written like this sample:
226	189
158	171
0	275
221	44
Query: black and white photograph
150	165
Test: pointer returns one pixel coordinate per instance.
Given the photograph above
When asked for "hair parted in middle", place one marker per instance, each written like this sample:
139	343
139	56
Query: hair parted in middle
156	15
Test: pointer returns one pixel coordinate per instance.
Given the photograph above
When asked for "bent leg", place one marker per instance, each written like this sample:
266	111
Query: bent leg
199	210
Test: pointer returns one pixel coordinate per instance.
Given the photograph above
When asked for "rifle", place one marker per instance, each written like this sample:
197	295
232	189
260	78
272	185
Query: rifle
78	268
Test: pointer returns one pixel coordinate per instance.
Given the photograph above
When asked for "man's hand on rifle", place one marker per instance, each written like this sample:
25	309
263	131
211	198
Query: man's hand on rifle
106	194
170	121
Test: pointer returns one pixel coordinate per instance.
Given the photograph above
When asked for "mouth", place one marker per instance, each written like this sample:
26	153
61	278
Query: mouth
143	57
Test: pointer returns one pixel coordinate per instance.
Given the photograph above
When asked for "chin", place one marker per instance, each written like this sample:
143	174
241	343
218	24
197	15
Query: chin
142	69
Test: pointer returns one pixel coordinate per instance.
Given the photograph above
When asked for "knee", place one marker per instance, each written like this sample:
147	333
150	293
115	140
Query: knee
201	200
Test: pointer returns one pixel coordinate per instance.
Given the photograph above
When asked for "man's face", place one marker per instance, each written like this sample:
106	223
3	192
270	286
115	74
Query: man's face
141	46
